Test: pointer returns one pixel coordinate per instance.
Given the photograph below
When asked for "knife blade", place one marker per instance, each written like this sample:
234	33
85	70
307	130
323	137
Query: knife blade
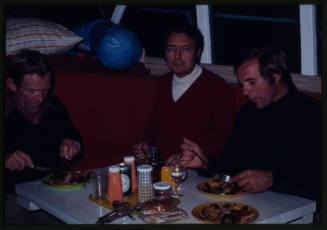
41	168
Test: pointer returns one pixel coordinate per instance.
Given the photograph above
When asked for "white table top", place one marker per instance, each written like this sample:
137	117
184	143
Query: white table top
74	207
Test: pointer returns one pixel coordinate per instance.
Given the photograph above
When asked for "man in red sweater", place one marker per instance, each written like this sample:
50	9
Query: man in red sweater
191	102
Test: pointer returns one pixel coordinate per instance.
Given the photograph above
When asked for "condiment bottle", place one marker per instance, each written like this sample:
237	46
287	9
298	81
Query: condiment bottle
155	162
145	182
131	161
162	190
114	184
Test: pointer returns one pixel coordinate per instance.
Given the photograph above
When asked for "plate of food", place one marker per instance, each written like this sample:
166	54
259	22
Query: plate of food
159	211
220	188
67	179
225	213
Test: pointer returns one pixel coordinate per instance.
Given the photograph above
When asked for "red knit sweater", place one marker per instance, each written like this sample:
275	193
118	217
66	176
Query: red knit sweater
204	114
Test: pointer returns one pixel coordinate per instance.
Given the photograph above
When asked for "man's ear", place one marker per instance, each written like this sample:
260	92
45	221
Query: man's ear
198	54
276	77
11	85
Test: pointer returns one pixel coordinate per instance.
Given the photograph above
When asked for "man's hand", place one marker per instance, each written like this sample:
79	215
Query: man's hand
188	157
254	180
18	161
174	160
140	149
69	148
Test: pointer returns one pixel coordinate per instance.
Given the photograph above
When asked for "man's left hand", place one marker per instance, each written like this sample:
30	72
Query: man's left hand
254	180
69	148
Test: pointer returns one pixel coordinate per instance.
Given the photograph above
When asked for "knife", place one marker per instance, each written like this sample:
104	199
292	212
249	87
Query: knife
41	168
63	166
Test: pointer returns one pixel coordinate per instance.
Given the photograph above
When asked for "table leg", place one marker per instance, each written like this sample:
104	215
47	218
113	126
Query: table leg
26	204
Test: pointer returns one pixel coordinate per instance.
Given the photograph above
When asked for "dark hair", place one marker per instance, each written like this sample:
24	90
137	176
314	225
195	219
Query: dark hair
271	61
28	62
191	32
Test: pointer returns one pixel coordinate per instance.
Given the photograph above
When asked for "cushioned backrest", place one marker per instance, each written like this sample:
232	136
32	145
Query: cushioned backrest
111	113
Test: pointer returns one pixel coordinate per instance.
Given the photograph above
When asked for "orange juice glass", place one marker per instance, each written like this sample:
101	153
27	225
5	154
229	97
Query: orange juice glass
165	176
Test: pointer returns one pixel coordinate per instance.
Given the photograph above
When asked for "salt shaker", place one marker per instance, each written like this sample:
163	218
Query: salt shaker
114	184
145	182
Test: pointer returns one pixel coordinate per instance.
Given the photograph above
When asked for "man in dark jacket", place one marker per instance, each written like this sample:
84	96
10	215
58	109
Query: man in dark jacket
276	138
38	130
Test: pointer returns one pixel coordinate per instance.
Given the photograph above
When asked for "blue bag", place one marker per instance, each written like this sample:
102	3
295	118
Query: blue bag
114	46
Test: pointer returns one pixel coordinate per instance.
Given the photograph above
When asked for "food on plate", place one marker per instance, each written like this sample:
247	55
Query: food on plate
156	206
159	211
219	187
69	178
227	213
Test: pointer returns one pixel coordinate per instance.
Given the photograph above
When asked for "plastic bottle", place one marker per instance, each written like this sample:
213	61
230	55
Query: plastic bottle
131	161
114	184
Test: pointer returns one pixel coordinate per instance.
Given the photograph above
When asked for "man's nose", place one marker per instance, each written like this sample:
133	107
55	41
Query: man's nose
40	96
245	91
178	53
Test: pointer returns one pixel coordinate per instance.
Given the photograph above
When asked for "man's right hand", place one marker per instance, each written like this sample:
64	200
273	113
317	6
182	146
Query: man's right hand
189	158
140	149
18	160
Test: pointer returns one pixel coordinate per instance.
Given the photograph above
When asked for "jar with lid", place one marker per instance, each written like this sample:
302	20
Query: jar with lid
162	190
145	182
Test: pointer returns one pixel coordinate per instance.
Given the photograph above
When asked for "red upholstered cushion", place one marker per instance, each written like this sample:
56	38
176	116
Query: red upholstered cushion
110	112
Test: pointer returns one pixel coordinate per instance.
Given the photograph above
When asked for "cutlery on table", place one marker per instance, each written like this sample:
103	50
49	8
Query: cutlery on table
120	209
41	168
63	166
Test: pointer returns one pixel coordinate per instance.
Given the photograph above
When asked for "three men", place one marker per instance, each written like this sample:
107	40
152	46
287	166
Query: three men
191	101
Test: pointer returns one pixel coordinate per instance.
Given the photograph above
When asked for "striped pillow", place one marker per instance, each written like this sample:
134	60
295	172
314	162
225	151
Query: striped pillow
36	34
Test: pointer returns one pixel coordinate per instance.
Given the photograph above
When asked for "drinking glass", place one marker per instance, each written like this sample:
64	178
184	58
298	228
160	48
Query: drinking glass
177	173
99	181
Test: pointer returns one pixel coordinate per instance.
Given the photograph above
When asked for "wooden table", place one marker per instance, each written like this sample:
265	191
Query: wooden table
74	207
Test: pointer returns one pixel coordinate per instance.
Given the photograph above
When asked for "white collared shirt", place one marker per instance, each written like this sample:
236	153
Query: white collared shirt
181	84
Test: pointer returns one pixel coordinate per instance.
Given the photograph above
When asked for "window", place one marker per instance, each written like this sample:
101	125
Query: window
236	28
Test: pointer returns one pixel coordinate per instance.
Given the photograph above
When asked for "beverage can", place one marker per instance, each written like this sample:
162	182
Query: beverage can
125	174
